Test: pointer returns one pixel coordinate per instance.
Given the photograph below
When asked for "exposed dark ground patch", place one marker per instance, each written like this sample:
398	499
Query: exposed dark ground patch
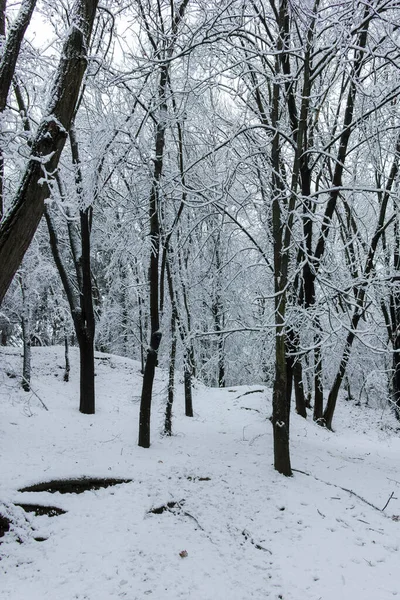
39	510
168	507
4	525
74	486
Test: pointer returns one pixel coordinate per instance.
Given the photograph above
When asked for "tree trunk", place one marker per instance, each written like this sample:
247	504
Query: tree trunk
87	325
171	378
66	354
280	404
26	368
299	389
155	336
86	356
187	377
280	410
10	52
19	225
295	373
147	390
396	378
81	309
318	386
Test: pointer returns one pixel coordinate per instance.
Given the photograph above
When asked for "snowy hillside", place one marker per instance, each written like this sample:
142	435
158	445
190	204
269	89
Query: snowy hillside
204	516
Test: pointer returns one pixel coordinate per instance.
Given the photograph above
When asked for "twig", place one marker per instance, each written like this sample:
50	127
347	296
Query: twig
194	519
390	497
344	489
247	536
250	392
33	392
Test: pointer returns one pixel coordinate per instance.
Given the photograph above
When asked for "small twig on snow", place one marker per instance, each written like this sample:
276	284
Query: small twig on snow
390	497
250	392
35	394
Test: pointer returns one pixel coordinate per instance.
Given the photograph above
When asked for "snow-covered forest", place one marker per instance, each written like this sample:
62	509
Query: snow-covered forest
202	196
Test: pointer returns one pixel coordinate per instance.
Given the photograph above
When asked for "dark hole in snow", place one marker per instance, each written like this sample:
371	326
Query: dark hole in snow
50	511
169	507
74	486
4	525
40	539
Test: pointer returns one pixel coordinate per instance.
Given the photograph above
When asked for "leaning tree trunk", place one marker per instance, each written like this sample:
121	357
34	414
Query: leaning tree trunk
10	53
19	225
358	310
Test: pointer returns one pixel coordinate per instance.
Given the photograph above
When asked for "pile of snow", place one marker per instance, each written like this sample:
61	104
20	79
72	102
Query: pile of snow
205	516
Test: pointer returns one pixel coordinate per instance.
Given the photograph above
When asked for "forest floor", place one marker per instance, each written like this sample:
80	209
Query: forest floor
226	525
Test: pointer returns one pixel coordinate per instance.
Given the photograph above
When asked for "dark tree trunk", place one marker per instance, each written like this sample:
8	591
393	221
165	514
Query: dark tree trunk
396	378
19	225
147	390
87	322
318	385
221	362
66	354
280	404
299	389
12	46
289	377
2	39
26	368
86	356
295	373
155	336
187	377
81	309
392	319
361	292
26	338
171	378
10	52
280	411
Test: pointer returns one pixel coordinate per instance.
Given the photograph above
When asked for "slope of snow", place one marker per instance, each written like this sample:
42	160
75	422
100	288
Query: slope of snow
248	532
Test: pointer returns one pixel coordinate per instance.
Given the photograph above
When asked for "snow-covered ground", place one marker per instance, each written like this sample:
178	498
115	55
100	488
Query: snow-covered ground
248	533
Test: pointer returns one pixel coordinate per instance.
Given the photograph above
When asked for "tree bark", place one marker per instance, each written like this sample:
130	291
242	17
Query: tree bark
86	356
19	225
26	339
66	354
147	390
81	310
171	377
280	404
187	377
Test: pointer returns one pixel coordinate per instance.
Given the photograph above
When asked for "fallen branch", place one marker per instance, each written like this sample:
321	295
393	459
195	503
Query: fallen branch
250	392
247	537
344	490
35	393
390	497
